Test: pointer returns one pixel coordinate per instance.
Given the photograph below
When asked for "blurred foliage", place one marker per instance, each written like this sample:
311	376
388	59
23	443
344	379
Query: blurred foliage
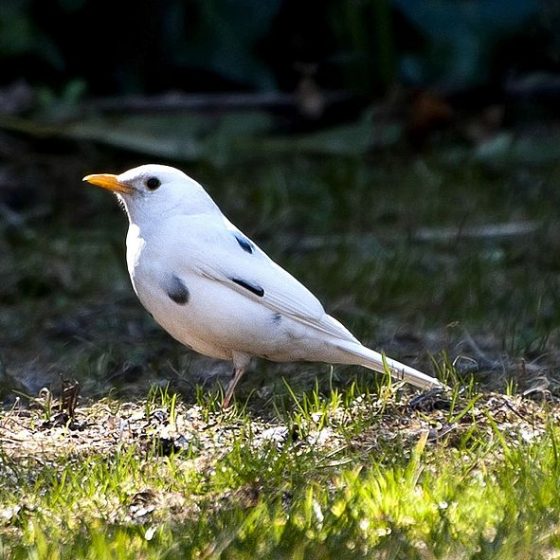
224	38
461	37
20	34
209	45
366	39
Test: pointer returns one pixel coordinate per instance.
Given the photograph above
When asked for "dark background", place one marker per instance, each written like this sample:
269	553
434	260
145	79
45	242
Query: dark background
400	158
469	51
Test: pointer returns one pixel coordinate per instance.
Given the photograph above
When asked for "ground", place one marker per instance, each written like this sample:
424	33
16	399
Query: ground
444	261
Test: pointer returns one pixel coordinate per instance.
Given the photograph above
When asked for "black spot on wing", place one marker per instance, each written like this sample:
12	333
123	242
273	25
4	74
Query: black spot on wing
254	288
177	291
276	318
244	243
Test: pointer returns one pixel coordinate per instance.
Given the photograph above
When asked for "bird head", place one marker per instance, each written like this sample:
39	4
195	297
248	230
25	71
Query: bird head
155	190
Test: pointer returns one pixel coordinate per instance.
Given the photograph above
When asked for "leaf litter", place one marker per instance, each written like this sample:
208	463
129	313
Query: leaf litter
108	427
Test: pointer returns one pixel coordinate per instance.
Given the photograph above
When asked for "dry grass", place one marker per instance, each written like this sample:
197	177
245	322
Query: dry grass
332	463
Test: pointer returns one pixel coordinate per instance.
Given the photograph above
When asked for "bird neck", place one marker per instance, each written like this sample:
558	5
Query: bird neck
147	213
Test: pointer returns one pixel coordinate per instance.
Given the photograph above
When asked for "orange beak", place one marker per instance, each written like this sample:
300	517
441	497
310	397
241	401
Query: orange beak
108	181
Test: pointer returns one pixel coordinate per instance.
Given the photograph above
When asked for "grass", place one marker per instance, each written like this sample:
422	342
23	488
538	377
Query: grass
313	461
354	475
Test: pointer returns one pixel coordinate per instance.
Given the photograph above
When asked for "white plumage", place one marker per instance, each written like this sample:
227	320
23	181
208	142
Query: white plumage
215	291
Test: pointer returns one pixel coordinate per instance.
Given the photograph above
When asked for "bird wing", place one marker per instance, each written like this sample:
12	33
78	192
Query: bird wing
223	256
281	293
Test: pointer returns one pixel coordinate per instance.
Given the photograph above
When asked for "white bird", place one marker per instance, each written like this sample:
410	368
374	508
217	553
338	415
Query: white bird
216	291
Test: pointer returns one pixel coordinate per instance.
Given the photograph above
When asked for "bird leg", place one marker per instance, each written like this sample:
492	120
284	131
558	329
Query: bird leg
237	375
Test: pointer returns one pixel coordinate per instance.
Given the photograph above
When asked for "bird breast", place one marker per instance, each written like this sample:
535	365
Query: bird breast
206	315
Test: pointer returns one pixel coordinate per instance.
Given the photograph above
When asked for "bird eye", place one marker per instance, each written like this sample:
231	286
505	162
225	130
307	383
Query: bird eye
153	183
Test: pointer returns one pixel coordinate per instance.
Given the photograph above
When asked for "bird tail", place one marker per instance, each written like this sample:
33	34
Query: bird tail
373	360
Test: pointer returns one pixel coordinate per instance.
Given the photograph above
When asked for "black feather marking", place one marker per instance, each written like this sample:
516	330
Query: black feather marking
276	318
254	288
244	243
177	291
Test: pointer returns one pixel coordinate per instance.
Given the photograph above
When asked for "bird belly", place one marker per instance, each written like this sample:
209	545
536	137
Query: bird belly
182	321
218	321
